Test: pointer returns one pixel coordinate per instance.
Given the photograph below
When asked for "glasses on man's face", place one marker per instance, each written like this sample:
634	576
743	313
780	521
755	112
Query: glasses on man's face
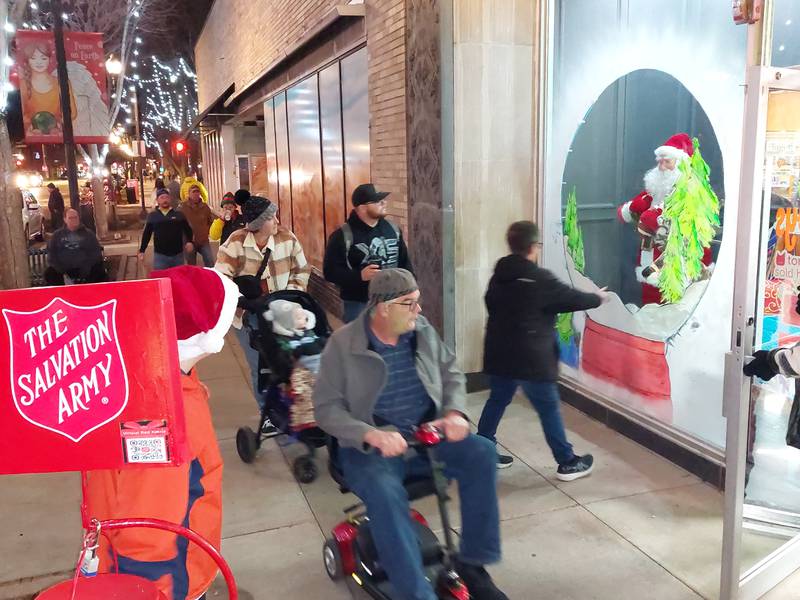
413	305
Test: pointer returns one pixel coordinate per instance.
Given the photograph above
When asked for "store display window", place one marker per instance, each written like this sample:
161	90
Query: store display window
641	185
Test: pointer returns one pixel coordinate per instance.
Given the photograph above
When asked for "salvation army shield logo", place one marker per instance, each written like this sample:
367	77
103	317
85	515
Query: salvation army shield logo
67	373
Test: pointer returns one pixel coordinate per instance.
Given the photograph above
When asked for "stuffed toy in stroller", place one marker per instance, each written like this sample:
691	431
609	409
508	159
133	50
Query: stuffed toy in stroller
296	363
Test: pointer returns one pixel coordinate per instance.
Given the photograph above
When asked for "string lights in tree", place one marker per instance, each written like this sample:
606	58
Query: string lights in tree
119	22
168	94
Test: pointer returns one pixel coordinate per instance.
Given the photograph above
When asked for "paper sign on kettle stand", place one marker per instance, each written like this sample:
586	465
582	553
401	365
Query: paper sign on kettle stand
78	364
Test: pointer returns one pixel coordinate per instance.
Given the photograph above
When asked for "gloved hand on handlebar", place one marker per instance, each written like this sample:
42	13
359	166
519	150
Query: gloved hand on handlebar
762	366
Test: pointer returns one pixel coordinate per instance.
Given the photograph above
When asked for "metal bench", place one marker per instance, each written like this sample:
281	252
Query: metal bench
37	263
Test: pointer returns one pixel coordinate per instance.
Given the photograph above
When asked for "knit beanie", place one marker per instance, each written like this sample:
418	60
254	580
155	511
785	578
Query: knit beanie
161	192
241	196
256	212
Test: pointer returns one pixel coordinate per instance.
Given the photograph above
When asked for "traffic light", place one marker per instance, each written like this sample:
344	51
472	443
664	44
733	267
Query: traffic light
180	146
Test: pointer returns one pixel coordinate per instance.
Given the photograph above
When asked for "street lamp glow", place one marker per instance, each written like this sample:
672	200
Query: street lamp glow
9	61
34	6
113	66
9	27
138	40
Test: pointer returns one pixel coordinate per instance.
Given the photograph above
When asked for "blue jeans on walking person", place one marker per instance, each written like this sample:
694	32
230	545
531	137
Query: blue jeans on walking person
251	354
205	251
378	481
352	309
165	261
543	395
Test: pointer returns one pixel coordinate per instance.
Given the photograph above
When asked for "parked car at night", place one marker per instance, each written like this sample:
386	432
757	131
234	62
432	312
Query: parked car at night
32	218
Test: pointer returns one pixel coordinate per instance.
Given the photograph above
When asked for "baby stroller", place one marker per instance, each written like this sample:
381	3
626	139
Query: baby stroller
287	390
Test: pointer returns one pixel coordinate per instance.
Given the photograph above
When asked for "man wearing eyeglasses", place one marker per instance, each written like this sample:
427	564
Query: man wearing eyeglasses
361	247
381	376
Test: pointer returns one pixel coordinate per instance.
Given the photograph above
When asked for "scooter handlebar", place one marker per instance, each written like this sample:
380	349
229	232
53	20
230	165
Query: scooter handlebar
426	435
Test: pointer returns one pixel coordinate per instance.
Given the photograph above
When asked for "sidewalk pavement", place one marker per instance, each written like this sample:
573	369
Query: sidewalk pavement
638	528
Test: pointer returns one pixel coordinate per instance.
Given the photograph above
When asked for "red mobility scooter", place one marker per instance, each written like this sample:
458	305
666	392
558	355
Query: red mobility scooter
350	551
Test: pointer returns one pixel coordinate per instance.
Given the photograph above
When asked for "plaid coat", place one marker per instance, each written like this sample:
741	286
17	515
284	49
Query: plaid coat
287	268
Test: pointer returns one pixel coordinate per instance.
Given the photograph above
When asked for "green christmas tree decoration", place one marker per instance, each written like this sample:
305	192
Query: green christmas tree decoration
572	231
564	327
692	210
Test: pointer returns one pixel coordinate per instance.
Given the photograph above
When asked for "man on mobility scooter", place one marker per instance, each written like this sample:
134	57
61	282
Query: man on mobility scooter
381	376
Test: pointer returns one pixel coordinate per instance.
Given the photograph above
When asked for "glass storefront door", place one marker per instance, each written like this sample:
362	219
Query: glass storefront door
762	500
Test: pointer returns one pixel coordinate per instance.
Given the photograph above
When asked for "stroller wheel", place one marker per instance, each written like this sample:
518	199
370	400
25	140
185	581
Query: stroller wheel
304	468
246	444
332	559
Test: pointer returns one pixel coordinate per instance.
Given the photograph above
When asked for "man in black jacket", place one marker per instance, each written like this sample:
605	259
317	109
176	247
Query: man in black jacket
521	349
365	244
74	251
171	232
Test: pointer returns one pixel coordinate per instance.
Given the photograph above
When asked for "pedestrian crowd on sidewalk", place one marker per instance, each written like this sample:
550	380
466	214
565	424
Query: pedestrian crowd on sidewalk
382	374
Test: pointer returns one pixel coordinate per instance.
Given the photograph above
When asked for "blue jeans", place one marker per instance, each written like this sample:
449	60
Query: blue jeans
543	395
165	261
352	309
251	354
378	481
205	251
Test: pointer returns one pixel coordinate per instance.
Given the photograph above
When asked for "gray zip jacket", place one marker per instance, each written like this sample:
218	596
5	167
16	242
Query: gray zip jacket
351	377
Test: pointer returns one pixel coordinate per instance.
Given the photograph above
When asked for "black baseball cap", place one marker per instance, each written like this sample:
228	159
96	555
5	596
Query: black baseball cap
367	194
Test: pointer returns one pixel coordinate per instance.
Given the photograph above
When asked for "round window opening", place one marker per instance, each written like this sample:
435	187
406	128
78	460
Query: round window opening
642	196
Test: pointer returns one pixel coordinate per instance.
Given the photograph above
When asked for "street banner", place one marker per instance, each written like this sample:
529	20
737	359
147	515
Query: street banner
40	92
89	378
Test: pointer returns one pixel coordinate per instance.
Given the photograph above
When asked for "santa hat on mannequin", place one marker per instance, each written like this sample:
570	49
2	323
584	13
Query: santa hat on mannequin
205	303
678	147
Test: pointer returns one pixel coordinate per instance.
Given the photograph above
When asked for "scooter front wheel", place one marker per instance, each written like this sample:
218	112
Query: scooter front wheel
332	559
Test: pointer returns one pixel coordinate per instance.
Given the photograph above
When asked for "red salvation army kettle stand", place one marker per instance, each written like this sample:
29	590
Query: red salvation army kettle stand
84	385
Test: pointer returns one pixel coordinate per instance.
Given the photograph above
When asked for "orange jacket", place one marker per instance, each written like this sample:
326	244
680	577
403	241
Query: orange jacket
189	495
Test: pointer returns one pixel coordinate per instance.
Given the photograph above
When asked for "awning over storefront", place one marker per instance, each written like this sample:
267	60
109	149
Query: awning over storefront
216	108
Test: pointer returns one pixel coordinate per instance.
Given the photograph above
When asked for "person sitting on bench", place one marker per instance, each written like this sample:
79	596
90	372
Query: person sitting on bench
74	252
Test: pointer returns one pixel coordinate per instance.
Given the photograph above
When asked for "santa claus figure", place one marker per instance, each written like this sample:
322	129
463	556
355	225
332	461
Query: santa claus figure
645	212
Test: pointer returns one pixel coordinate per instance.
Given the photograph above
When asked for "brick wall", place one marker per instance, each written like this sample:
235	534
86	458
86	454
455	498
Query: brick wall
224	58
386	48
241	39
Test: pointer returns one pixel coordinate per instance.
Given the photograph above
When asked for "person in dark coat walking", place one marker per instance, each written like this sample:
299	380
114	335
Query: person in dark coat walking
520	349
55	204
170	231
